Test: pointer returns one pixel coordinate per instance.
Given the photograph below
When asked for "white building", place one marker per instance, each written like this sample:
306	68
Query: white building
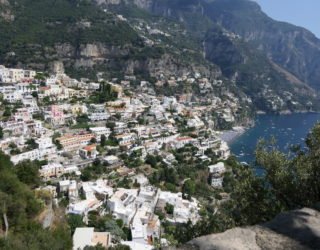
98	131
196	122
126	139
8	75
216	174
29	155
99	187
73	191
97	113
111	159
30	103
218	168
184	210
35	154
64	185
122	205
51	170
84	206
12	97
180	142
223	151
86	236
26	88
71	169
217	182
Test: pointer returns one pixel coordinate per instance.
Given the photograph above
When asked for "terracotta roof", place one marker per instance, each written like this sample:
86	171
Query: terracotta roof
90	147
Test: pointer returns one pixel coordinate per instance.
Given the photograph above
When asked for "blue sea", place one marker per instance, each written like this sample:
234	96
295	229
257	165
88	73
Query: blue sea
287	129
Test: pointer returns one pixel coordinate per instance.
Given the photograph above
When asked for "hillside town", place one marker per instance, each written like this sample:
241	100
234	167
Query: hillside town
101	147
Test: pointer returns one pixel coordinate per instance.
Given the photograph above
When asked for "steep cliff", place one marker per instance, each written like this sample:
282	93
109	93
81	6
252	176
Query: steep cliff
295	49
270	83
86	38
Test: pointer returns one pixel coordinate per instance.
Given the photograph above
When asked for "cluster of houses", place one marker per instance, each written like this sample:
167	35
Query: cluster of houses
137	208
40	121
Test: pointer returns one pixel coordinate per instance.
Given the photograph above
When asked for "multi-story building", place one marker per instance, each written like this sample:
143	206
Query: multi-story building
51	170
89	152
55	116
99	131
74	142
216	174
22	124
126	139
45	150
15	75
98	113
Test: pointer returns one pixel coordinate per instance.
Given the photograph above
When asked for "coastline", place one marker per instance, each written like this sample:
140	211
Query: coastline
230	135
288	112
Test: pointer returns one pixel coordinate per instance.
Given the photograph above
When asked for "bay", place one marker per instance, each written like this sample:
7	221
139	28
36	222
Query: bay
288	130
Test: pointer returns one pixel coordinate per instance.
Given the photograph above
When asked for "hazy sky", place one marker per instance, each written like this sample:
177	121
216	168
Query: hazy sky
305	13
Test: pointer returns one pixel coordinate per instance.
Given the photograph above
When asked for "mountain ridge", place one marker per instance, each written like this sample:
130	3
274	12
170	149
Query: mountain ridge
194	15
150	38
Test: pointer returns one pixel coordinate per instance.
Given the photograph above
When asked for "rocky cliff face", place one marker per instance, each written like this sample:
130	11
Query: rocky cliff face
226	38
295	49
292	230
85	38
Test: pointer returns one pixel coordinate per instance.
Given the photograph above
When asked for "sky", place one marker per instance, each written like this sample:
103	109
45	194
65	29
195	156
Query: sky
304	13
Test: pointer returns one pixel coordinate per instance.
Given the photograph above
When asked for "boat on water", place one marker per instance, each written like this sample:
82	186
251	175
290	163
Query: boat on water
244	163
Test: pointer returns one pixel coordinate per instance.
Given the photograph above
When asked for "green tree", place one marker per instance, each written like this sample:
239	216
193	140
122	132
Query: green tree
294	178
93	140
32	144
110	125
188	188
106	93
153	160
74	221
96	247
35	94
28	173
169	208
103	140
119	247
252	200
7	112
17	200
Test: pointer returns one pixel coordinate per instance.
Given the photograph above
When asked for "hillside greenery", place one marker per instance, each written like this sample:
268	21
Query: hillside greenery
20	207
40	26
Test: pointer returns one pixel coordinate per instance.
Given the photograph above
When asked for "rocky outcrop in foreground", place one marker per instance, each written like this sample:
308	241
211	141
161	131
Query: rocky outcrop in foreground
299	229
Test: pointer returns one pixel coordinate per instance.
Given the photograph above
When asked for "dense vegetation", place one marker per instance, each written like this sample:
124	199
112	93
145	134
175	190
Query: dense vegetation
44	31
19	208
49	22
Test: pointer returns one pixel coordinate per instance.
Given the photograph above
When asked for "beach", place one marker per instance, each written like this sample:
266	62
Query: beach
230	135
